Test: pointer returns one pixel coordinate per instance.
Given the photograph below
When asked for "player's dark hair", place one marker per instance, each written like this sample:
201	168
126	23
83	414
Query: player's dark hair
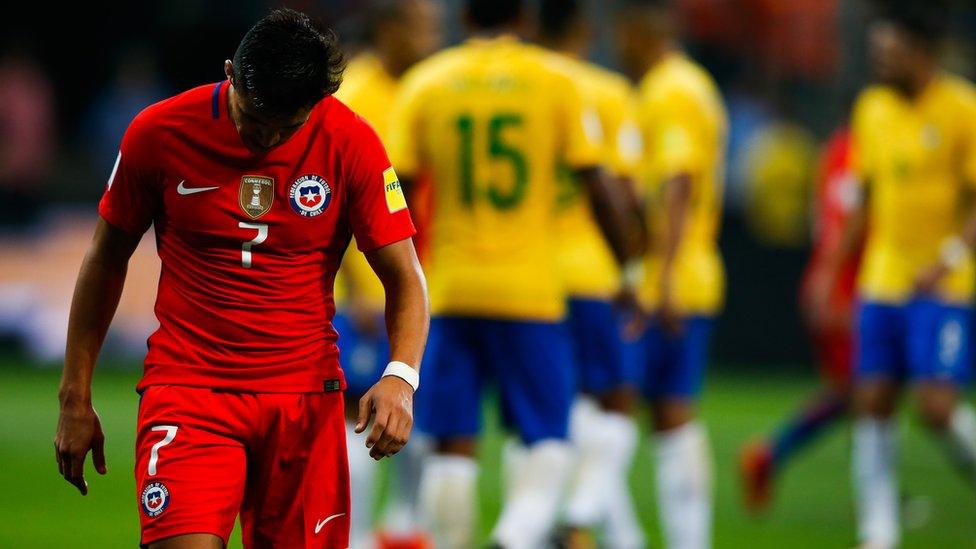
287	62
557	17
491	14
924	23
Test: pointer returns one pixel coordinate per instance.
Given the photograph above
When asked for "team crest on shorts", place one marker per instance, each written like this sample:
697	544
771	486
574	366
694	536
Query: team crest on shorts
256	195
155	498
310	195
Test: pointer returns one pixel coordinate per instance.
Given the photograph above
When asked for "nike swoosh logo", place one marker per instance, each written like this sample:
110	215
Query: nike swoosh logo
323	522
183	189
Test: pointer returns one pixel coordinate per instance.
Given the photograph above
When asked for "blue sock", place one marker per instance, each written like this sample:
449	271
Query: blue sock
805	426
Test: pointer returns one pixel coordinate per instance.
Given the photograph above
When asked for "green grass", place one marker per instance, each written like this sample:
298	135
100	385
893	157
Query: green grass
813	507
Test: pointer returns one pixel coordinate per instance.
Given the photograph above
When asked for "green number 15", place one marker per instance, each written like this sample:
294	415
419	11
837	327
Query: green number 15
497	195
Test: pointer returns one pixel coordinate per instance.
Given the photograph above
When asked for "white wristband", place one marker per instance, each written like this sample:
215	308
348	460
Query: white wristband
953	251
403	371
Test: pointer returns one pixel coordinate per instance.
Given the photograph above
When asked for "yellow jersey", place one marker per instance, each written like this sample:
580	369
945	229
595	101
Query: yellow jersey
368	90
684	129
491	121
585	259
916	157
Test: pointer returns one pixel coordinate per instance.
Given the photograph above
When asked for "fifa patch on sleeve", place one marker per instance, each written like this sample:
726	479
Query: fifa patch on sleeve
395	201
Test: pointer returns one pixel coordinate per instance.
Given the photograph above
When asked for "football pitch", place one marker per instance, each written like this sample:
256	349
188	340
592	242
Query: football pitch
813	507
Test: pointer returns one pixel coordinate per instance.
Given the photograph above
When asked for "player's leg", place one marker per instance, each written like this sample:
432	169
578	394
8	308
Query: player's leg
534	365
448	411
761	460
190	466
879	364
602	427
297	492
941	355
359	357
684	462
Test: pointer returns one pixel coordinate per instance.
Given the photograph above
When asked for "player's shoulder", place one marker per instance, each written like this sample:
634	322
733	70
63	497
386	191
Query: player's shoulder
341	122
194	104
359	76
872	101
433	70
679	79
958	89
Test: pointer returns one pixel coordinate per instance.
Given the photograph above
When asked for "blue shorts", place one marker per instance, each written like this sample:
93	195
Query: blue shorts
922	340
674	364
363	356
531	362
601	354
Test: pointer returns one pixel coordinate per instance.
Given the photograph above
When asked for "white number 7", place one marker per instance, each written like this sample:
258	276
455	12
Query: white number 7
154	454
262	230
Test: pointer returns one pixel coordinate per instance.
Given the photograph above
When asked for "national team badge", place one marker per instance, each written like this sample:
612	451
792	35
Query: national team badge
310	195
155	498
256	195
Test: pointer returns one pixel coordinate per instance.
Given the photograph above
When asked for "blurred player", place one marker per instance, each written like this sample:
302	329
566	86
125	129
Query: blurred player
492	120
683	127
601	424
255	186
401	32
829	329
914	152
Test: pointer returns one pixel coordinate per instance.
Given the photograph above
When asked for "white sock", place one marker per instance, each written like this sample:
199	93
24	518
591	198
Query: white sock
530	512
622	530
402	510
586	504
513	461
961	439
684	487
874	481
448	486
362	485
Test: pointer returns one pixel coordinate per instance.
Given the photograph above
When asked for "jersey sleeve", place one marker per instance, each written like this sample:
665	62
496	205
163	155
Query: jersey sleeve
969	143
623	139
860	160
404	128
582	130
674	146
132	195
378	212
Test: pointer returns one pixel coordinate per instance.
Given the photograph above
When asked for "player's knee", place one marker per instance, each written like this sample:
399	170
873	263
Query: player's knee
671	414
621	400
876	400
935	408
465	447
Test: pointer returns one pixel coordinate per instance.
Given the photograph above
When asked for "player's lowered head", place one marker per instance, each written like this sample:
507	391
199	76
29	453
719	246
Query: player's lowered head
495	17
284	65
904	44
645	30
563	27
404	32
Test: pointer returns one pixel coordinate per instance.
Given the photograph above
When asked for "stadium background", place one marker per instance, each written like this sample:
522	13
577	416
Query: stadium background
71	78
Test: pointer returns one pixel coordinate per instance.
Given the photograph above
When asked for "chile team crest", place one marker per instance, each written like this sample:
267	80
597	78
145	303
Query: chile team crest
155	498
310	195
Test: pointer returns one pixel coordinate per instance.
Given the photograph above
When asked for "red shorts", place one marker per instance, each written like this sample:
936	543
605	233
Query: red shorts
278	460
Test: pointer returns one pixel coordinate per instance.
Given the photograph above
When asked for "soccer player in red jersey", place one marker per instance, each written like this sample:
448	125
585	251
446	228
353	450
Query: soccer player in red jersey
255	186
829	329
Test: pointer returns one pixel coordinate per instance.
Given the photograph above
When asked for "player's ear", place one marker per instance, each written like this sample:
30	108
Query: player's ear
229	70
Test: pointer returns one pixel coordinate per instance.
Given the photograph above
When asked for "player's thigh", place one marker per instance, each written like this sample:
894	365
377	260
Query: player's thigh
940	342
880	346
534	367
298	491
449	403
598	346
189	541
190	466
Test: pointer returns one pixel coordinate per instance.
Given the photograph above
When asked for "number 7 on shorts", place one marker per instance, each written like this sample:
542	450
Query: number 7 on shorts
154	453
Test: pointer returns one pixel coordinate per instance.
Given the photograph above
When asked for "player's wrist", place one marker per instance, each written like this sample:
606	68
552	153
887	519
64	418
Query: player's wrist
403	371
632	274
953	251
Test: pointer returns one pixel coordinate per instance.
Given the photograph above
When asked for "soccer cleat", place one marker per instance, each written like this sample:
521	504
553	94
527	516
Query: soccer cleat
756	470
416	540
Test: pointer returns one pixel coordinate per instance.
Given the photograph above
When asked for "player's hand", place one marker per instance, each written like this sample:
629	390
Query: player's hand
815	302
79	430
390	402
635	317
929	278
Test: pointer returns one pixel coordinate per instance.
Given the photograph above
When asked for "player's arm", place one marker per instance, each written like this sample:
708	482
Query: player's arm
677	197
96	297
390	400
617	213
826	278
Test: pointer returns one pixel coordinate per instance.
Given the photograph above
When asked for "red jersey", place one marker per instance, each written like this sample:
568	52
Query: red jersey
837	196
250	244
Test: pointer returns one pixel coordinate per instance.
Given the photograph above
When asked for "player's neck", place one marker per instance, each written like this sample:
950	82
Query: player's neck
568	46
920	83
393	64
